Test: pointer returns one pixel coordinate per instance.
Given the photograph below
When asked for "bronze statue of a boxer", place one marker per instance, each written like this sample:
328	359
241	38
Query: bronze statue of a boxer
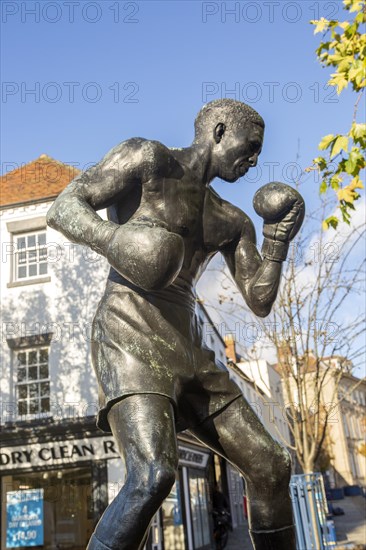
156	377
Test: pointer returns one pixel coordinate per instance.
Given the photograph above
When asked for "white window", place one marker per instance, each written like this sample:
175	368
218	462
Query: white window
346	425
33	383
30	255
360	397
28	259
354	465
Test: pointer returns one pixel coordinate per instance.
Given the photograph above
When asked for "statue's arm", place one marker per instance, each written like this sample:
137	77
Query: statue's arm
282	209
257	279
74	212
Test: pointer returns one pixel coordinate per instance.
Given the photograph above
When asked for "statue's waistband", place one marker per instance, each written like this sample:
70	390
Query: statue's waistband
174	294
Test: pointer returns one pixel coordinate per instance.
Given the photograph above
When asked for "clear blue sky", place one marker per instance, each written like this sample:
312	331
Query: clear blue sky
153	65
168	51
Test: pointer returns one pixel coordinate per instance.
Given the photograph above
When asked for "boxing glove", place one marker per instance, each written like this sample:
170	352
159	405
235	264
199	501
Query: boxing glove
283	211
146	254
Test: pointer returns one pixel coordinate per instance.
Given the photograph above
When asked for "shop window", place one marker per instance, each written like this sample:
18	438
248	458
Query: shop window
173	525
199	508
61	515
30	256
33	383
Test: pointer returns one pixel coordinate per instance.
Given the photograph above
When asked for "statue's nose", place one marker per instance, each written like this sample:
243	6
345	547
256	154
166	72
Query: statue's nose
253	160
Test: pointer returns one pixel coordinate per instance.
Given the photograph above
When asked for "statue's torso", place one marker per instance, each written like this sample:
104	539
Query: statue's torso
188	207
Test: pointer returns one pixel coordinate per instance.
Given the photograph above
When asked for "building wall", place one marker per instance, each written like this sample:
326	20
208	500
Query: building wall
63	306
264	392
347	432
211	336
346	427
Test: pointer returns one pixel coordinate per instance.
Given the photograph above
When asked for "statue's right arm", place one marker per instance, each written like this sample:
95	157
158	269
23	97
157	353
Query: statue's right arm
74	212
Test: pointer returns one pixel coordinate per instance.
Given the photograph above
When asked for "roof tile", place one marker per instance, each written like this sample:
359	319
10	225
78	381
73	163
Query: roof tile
43	178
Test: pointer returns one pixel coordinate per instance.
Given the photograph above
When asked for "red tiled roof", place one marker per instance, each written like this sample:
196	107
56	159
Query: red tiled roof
43	178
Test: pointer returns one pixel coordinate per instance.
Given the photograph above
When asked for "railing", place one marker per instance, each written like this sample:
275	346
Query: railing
309	504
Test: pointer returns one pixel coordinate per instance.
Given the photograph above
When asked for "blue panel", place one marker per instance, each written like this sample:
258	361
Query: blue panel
24	518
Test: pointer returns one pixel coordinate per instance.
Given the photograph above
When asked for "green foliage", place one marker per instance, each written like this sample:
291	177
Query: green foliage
344	48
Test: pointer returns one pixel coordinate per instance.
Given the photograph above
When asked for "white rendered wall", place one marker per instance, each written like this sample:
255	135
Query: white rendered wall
268	405
210	336
64	306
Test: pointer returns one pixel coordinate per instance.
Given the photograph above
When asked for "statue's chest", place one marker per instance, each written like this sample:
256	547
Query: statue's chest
179	203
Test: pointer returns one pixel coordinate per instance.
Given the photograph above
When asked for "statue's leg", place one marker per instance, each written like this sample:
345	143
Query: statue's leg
237	434
143	427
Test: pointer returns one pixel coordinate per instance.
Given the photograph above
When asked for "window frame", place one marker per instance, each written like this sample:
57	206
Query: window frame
27	228
27	382
27	251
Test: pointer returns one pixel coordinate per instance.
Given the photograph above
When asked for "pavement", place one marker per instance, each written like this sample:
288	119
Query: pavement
239	539
350	528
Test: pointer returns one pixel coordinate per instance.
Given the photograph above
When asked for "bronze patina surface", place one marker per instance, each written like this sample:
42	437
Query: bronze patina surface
155	374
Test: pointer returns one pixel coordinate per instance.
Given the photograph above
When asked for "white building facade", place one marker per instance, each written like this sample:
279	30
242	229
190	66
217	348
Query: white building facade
261	386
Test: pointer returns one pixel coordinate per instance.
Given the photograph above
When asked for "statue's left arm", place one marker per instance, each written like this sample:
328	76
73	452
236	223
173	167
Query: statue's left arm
258	276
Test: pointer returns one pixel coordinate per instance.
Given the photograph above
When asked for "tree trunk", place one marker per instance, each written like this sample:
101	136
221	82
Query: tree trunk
309	469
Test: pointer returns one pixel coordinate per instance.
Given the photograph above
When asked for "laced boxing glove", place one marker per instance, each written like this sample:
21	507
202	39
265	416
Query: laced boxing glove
145	253
283	211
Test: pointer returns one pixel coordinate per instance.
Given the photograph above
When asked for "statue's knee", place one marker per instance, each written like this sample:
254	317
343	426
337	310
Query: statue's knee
281	472
273	466
162	480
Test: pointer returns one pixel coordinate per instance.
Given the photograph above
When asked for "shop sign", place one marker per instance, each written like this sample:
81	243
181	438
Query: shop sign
57	452
24	518
192	457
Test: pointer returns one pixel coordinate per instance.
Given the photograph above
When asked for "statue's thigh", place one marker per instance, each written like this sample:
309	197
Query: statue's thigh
237	434
144	429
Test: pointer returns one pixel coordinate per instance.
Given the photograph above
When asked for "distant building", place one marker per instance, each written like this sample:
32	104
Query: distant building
347	436
50	447
344	395
262	387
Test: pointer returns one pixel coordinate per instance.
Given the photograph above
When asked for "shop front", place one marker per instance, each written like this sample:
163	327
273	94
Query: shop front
50	509
235	487
184	521
55	488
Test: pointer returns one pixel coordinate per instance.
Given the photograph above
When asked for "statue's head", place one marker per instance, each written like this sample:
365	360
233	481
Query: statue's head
234	131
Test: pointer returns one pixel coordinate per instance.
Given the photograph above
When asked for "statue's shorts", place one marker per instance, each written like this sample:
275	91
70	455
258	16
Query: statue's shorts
151	343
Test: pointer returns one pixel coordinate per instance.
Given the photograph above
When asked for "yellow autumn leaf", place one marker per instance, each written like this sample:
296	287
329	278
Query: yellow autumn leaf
341	143
358	130
355	7
338	80
325	225
346	194
356	183
326	141
344	64
321	24
354	72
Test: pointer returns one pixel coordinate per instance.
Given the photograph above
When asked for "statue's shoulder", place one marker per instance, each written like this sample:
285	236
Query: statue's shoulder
238	221
136	146
147	157
234	211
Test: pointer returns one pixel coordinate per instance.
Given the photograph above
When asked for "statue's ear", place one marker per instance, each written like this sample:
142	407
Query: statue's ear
219	132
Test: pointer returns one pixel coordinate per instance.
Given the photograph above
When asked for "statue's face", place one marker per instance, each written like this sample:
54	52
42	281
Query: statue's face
238	151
